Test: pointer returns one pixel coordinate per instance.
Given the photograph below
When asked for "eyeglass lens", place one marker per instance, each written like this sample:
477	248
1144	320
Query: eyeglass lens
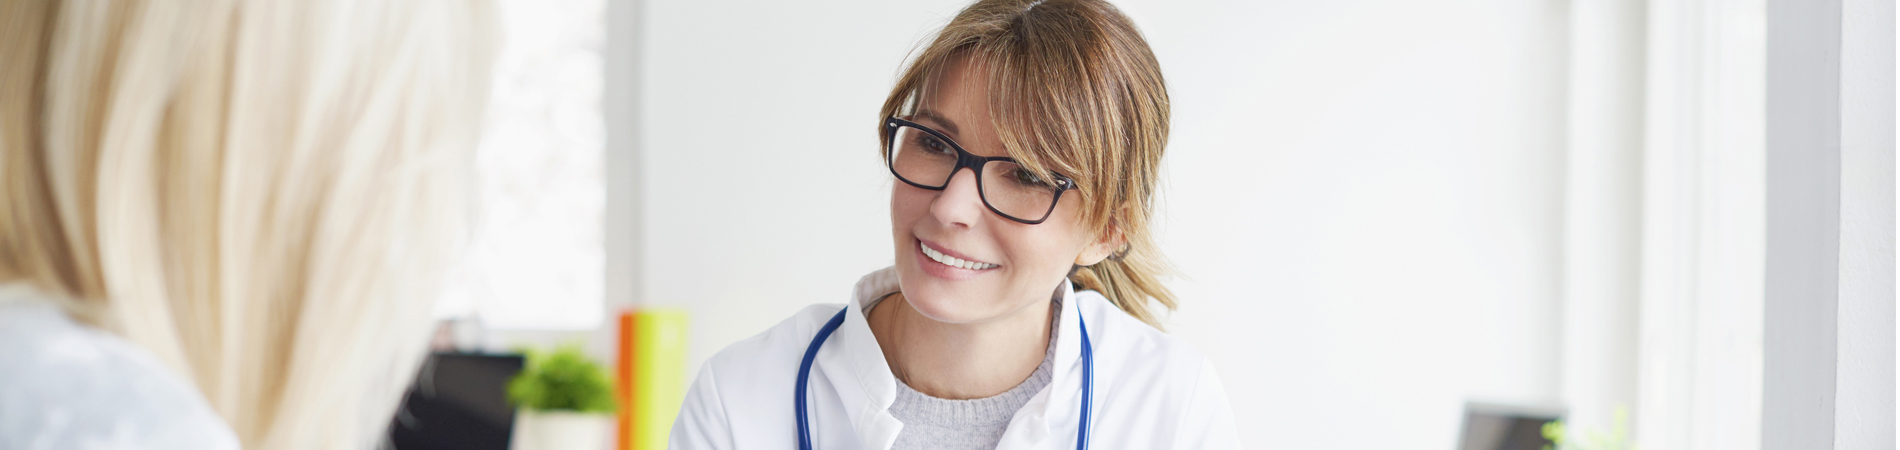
922	158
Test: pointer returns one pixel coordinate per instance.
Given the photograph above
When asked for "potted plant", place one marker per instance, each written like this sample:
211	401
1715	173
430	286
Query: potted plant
564	401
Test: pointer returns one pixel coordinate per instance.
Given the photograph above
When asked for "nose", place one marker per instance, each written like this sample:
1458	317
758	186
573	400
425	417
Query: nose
960	204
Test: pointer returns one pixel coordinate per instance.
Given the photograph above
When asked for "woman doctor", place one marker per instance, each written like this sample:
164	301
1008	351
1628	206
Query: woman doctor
1024	143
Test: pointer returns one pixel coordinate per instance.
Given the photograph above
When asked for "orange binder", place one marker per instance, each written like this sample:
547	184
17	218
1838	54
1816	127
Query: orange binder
651	375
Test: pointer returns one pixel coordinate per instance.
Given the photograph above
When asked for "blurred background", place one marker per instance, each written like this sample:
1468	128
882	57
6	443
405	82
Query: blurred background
1389	217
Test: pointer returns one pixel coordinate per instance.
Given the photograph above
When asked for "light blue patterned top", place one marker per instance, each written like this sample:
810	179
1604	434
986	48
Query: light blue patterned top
64	385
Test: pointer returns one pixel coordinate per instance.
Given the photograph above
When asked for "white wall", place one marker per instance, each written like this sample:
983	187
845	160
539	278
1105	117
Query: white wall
1828	350
1364	196
1865	390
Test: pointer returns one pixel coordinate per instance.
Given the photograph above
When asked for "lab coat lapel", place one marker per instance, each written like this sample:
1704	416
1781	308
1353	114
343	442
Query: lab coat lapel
855	367
1054	412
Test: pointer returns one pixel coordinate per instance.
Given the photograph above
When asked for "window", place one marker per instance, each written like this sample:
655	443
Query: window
536	260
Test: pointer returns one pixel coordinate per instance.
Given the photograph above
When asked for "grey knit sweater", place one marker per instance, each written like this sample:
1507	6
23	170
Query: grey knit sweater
935	423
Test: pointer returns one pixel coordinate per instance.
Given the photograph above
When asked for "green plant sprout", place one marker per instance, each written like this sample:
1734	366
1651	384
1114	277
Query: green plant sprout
1617	438
564	379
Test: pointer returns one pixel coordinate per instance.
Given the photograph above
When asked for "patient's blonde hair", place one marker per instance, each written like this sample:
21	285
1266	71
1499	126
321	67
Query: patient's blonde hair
261	193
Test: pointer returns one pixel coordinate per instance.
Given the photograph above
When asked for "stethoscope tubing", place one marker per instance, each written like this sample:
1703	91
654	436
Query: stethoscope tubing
1088	386
804	376
811	354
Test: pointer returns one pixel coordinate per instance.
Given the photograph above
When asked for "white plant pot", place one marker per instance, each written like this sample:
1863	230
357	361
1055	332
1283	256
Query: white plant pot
561	430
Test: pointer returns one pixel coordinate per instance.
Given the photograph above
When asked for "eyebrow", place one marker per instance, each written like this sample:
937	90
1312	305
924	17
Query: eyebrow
947	125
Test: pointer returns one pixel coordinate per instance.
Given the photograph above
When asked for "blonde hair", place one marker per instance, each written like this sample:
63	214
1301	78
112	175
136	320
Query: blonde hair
1076	91
261	193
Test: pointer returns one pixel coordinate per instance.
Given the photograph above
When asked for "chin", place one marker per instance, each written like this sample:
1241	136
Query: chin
938	301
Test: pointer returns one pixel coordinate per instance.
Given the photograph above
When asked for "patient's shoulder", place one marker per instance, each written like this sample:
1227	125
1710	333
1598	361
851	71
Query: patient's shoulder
68	385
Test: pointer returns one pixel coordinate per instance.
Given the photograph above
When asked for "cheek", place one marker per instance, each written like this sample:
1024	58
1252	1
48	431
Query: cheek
1038	254
1049	247
907	205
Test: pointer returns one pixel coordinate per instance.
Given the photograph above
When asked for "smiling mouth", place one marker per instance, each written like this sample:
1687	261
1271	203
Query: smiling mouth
953	261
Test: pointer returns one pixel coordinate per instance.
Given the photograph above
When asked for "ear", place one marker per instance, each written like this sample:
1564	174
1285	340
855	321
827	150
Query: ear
1104	246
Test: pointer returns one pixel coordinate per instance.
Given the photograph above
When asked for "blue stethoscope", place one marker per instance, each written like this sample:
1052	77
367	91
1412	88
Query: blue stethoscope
804	378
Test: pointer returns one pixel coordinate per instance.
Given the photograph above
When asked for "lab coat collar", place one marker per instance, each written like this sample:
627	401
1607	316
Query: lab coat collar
869	389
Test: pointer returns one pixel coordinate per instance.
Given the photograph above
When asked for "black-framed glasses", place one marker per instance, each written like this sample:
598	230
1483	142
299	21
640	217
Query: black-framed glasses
927	159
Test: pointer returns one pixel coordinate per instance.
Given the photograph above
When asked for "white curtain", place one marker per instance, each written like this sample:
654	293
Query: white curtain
1664	237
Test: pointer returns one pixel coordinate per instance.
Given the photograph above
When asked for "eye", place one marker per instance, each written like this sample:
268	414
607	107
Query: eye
933	145
1025	177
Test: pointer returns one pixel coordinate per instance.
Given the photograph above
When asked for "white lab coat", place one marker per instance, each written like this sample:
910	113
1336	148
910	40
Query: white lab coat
1152	391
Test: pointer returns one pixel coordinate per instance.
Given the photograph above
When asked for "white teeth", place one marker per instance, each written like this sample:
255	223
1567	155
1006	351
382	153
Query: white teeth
953	261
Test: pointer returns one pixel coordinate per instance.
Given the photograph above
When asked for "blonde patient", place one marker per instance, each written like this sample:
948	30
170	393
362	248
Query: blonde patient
222	223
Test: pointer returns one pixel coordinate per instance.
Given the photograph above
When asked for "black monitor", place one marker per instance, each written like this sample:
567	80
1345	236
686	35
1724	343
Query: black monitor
459	401
1506	427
